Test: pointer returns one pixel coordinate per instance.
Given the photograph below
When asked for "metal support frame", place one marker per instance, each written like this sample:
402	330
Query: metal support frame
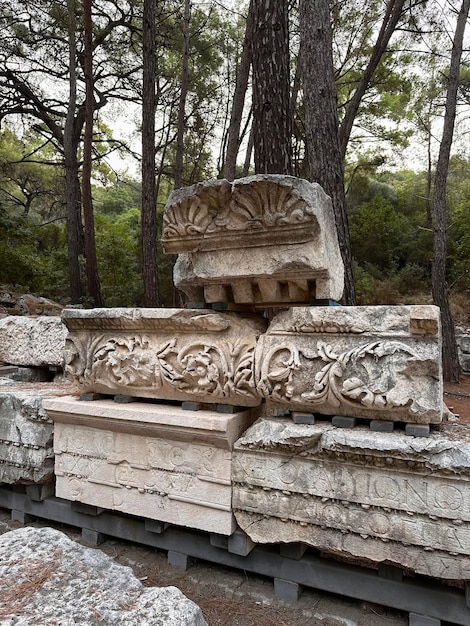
421	598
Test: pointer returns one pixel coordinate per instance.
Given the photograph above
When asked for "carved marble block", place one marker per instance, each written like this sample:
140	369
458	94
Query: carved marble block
262	240
151	460
374	496
173	354
379	362
26	433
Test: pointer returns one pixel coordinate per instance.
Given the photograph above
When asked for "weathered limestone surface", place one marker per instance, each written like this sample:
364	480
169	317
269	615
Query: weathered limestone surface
45	578
32	340
378	362
462	337
171	354
265	239
150	460
26	451
377	496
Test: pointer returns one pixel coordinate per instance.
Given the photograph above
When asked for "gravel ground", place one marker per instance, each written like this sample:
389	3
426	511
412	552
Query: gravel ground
235	598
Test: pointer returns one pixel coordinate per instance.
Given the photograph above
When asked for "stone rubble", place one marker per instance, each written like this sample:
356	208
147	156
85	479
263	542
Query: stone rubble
26	432
12	303
47	579
462	336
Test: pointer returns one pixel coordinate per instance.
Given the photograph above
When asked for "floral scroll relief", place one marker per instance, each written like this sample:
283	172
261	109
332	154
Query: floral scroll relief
198	368
366	376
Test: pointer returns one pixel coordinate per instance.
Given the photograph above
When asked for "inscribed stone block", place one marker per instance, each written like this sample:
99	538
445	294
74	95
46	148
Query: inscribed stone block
381	497
153	461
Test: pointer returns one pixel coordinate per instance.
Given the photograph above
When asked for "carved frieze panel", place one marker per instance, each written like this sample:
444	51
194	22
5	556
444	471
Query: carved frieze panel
263	209
376	496
428	561
164	353
26	433
265	239
153	461
372	362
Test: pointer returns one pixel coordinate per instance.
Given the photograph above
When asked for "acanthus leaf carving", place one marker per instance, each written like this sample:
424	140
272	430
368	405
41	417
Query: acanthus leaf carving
200	368
277	372
330	385
353	378
126	360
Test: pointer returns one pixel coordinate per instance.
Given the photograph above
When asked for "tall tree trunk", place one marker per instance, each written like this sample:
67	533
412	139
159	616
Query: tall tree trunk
87	201
450	361
271	82
243	74
249	152
393	12
183	95
429	179
72	187
149	197
321	121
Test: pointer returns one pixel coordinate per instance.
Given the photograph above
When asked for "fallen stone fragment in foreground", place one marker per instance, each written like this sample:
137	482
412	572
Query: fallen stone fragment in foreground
45	578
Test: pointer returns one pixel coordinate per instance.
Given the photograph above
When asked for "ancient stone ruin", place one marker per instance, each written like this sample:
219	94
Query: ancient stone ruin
45	578
320	428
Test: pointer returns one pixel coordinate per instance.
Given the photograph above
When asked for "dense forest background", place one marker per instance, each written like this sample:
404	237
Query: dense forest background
200	52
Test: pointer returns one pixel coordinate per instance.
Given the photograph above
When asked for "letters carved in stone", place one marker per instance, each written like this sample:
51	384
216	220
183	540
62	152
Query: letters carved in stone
372	496
151	460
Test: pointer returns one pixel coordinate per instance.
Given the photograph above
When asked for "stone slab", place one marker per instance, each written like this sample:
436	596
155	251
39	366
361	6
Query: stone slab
263	240
171	354
26	432
378	362
32	341
45	578
381	497
154	461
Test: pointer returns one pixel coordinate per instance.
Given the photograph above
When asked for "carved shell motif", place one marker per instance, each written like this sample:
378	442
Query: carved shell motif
260	205
219	210
192	214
